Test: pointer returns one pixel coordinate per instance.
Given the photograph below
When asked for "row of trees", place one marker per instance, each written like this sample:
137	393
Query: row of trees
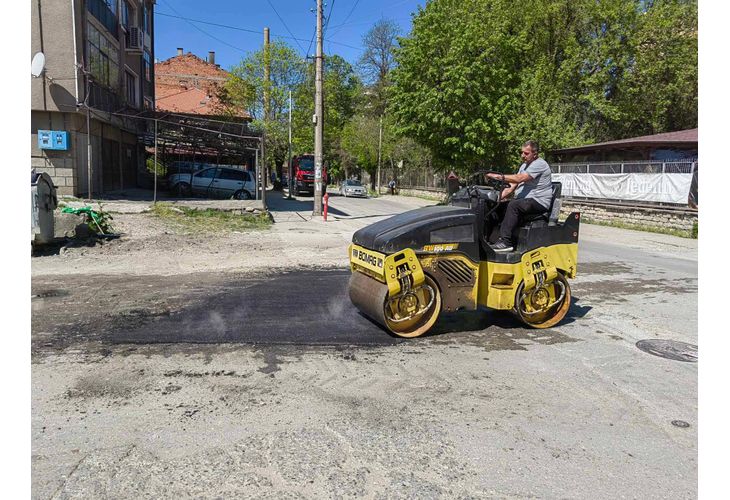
475	78
354	105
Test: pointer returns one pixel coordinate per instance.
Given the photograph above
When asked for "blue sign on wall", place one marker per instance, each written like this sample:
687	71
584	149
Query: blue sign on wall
53	139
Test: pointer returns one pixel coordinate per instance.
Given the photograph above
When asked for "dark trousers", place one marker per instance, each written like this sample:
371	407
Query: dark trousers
512	213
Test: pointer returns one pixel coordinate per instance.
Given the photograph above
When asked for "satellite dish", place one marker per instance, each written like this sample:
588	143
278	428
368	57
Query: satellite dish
38	65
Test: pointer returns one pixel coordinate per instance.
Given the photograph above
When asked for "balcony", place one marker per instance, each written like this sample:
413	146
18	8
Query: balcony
103	99
101	11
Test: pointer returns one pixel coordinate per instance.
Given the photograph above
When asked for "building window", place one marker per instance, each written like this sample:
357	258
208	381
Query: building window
146	21
147	66
106	12
131	84
128	15
102	57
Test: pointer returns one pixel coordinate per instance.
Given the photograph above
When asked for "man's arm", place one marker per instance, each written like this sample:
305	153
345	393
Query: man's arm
514	181
512	178
506	192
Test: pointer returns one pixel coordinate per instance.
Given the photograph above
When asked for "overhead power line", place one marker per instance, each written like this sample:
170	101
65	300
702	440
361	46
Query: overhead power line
329	16
201	30
285	26
248	30
349	13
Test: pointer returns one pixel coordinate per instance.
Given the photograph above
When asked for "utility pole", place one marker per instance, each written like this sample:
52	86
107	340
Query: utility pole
318	117
289	153
263	170
154	195
88	142
380	147
256	170
87	76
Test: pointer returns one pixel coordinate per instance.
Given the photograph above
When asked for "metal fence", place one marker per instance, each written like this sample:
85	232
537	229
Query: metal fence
426	179
634	167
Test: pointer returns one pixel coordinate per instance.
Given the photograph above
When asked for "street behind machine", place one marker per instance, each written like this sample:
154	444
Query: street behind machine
409	268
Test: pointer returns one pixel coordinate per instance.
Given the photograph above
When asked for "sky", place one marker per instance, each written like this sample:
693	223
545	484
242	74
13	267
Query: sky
232	28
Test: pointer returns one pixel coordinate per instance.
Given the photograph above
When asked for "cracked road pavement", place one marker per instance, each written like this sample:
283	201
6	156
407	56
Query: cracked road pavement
181	384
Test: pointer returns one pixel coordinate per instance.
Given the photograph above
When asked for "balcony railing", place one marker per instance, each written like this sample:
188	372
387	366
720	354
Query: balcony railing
101	10
103	99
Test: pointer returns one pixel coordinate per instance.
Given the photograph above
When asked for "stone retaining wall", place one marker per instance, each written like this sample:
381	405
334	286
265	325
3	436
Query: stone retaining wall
436	195
680	219
665	218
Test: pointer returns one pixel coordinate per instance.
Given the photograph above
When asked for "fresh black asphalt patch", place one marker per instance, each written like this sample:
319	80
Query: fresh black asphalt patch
296	307
299	307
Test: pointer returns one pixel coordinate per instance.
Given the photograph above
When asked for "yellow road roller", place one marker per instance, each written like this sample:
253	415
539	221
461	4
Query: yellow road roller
409	268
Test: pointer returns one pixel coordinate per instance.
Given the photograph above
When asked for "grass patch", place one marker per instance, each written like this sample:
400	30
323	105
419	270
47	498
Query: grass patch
209	220
648	229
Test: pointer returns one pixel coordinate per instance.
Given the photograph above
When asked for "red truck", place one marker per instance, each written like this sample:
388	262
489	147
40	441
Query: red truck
303	175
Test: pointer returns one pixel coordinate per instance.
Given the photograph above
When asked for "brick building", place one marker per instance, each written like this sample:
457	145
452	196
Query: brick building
188	84
187	90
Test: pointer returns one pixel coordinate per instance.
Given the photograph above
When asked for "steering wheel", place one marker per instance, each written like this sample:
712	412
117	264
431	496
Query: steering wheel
498	184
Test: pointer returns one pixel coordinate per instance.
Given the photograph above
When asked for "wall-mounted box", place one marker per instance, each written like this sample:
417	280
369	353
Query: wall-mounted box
53	139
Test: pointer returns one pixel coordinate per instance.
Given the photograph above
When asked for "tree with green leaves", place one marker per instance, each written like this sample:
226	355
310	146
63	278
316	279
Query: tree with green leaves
341	89
360	141
475	78
247	87
660	87
455	84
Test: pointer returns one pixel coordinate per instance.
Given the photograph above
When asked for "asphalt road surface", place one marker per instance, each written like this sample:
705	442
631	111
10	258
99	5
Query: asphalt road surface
271	385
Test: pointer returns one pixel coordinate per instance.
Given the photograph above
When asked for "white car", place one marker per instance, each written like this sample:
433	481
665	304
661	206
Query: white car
352	187
214	182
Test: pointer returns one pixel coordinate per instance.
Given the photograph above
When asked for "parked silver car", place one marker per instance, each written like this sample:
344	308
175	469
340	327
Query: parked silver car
214	182
352	187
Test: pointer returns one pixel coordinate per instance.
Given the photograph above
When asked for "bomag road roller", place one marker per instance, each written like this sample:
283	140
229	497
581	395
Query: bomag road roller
409	268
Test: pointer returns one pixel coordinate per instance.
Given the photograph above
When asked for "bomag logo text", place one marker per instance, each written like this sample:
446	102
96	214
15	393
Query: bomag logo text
369	259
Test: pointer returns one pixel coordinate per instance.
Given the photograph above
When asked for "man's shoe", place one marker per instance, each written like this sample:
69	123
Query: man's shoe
501	246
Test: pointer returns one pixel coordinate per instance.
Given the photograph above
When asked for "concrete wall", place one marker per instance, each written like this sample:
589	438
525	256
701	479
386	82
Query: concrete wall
60	165
52	33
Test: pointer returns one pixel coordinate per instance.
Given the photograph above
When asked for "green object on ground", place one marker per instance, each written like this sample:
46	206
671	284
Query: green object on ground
98	221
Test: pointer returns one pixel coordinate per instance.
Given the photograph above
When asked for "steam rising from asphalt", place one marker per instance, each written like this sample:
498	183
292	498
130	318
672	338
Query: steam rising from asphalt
336	306
217	324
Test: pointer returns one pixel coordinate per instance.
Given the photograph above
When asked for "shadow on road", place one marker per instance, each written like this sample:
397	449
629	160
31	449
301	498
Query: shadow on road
277	201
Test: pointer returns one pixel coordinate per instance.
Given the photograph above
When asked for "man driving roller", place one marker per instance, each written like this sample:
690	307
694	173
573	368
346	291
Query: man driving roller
532	185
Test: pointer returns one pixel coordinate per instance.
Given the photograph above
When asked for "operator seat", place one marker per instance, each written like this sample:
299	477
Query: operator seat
521	233
538	223
552	213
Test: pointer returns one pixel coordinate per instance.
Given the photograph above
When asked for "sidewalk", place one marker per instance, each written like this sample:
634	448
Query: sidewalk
136	201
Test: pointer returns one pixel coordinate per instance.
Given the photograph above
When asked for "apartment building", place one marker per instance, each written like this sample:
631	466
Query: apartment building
97	83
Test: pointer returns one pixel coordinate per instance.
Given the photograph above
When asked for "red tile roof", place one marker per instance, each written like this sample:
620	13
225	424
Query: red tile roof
189	84
185	100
